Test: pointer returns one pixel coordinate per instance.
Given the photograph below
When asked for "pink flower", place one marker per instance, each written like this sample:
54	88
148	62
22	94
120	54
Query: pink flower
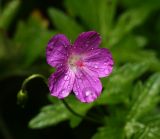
78	66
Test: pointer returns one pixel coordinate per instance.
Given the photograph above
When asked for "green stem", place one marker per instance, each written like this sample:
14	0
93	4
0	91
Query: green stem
22	95
30	78
23	92
79	115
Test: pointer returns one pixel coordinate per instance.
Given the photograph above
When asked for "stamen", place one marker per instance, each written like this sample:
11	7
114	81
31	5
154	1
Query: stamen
75	61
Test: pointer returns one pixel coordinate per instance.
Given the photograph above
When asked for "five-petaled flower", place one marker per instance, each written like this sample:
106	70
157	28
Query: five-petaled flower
78	66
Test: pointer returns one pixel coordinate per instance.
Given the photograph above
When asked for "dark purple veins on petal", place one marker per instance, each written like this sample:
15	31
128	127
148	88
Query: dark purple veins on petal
78	66
87	41
57	50
61	83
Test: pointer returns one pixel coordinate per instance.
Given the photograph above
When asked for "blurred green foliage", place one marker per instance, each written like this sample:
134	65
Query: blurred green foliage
130	95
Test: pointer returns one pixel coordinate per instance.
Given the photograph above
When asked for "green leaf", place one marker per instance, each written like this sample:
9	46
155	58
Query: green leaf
127	55
8	14
54	114
64	23
131	42
147	98
109	133
118	85
135	94
149	129
50	115
75	121
106	12
78	107
132	127
31	43
86	10
99	17
114	124
129	20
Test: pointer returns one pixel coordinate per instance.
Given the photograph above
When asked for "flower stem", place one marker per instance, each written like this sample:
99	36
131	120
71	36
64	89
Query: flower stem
22	95
30	78
79	115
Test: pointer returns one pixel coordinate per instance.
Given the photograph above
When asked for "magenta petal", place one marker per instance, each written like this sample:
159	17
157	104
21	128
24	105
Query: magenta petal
99	61
87	41
61	83
86	87
57	50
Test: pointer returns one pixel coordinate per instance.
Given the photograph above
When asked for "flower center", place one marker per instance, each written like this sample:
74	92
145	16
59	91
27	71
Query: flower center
75	61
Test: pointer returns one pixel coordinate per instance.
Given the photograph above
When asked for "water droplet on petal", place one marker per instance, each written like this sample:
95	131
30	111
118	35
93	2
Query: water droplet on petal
63	93
106	71
89	94
66	78
96	66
